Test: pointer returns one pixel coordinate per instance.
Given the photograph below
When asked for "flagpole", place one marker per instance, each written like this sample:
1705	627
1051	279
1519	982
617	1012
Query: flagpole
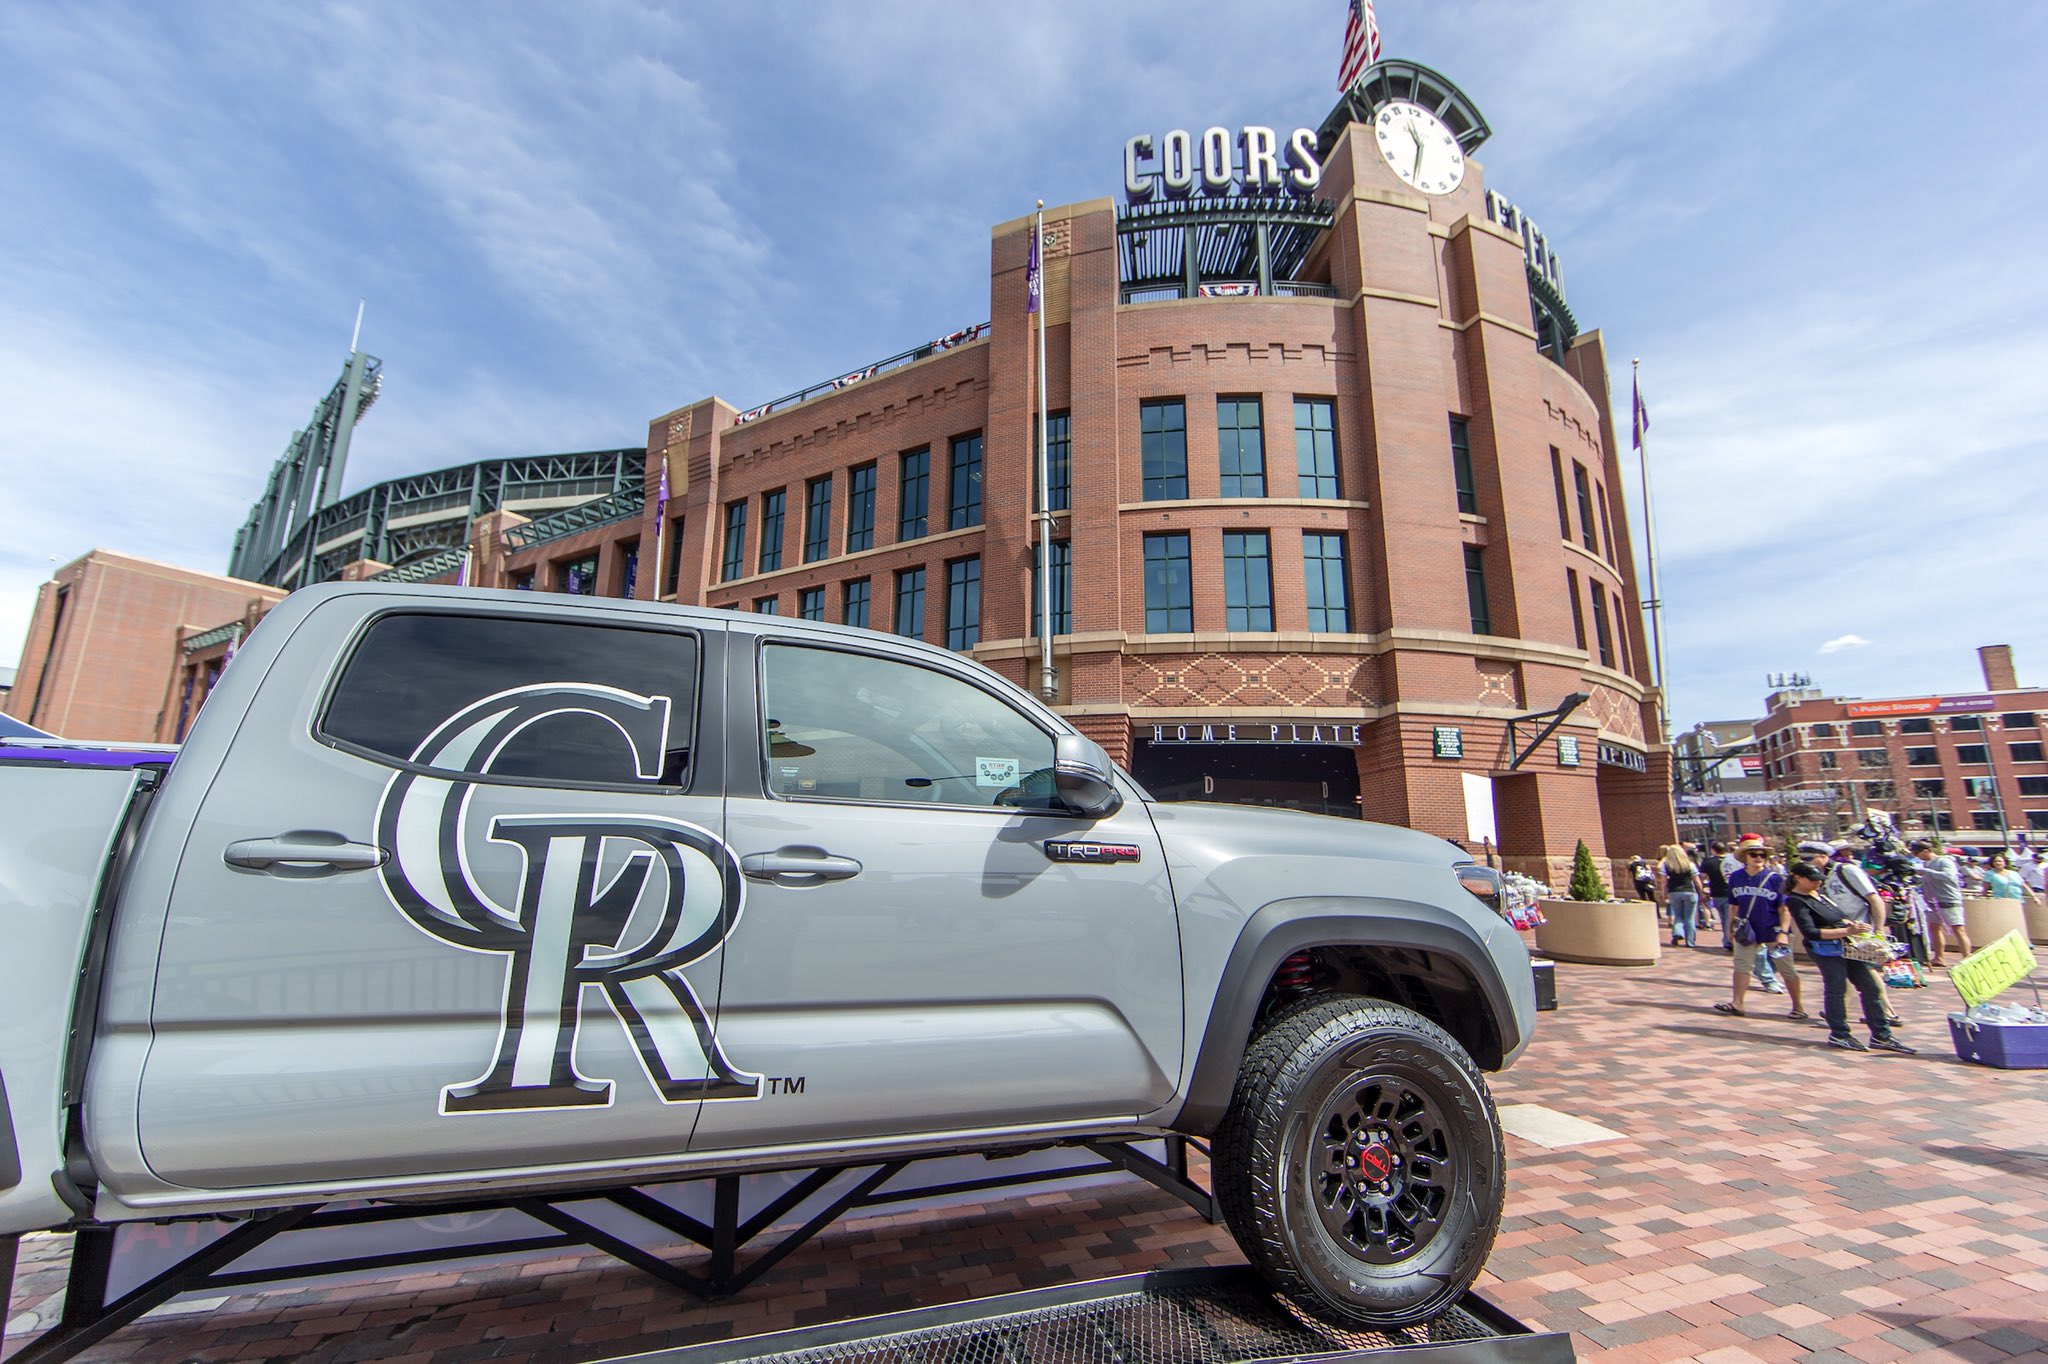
1048	680
1656	601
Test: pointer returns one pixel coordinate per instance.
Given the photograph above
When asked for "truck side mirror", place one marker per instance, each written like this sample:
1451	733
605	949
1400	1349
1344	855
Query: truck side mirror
1084	777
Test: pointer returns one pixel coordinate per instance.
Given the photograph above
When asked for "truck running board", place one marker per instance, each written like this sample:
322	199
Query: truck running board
1174	1316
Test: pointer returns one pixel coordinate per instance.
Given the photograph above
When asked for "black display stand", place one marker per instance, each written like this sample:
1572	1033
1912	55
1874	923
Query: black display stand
90	1317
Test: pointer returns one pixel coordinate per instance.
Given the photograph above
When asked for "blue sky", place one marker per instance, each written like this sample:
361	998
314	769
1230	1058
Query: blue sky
1819	224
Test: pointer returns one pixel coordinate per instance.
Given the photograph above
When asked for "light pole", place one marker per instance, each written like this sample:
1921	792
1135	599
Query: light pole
1991	765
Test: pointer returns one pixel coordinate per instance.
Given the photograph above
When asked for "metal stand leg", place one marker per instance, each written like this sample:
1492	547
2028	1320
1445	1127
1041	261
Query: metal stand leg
85	1291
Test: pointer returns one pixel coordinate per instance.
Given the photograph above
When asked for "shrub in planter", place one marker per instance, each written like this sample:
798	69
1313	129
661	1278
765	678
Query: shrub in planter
1586	883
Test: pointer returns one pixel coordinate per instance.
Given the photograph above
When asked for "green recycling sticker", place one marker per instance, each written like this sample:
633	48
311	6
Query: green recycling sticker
1991	970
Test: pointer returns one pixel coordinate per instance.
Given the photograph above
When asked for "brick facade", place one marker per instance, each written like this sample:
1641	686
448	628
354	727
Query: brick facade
1429	322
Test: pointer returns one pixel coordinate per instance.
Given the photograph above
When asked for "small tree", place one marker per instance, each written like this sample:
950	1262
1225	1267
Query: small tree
1586	882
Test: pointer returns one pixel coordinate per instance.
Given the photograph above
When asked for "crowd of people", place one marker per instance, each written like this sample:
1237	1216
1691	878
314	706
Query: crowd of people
1851	927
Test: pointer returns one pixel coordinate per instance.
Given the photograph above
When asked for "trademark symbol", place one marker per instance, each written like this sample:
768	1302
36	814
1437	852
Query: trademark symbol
785	1084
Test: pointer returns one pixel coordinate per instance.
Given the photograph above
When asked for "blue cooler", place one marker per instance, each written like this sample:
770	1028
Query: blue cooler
2008	1046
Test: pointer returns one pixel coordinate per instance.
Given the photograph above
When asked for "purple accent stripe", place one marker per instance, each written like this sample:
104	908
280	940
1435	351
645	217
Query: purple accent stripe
85	757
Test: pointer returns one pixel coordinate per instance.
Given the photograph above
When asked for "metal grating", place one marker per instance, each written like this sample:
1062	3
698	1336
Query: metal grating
1185	1317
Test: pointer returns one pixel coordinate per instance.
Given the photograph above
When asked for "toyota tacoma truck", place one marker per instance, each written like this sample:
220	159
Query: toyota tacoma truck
456	893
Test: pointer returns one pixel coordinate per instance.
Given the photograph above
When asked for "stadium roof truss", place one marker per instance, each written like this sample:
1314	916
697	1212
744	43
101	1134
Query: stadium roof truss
1247	244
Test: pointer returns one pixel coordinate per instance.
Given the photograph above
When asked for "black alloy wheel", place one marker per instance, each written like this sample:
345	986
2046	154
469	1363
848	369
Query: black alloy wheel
1361	1165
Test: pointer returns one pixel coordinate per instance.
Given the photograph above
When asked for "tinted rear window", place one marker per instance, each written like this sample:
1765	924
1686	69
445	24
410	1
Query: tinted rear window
412	672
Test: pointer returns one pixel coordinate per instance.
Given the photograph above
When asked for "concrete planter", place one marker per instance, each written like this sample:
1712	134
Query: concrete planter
1990	920
1617	933
2037	921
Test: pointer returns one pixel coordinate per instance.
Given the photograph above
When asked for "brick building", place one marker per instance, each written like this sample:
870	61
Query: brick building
103	643
1336	503
1967	764
1321	528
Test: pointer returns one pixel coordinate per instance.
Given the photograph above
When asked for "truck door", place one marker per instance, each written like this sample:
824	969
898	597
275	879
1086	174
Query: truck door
454	904
912	959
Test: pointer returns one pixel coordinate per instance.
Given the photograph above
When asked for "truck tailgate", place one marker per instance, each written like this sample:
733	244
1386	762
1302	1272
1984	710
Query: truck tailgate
59	828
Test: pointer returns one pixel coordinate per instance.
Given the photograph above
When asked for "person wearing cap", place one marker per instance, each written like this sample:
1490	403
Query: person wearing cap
1942	886
1757	897
1824	925
1850	888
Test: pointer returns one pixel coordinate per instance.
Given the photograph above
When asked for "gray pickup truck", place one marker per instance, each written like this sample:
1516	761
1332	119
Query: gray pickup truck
461	893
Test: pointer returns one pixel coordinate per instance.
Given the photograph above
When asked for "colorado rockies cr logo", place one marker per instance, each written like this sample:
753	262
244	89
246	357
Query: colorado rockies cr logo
568	929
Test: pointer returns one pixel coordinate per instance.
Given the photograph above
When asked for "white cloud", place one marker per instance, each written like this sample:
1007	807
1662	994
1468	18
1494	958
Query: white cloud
1841	642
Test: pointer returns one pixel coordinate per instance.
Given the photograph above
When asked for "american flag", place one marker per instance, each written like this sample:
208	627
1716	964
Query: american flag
1361	43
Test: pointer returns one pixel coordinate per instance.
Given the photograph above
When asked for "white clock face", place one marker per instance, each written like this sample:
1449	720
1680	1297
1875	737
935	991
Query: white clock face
1418	147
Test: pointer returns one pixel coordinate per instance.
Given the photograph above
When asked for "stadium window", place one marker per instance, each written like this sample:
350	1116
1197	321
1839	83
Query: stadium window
1329	593
963	485
914	494
1058	465
1461	466
810	603
1606	526
1564	514
963	603
853	603
1588	532
1247	581
860	509
1169	594
1571	587
735	541
1315	446
1062	589
910	603
1240	448
818	519
1601	635
1482	613
764	606
1163	449
771	530
629	569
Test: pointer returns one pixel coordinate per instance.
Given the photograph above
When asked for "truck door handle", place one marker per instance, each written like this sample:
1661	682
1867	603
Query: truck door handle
813	865
304	852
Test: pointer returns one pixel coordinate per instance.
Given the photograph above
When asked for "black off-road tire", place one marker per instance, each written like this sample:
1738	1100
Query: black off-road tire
1331	1094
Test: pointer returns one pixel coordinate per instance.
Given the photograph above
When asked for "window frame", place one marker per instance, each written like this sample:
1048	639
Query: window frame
917	571
1187	561
1166	479
805	598
817	519
1312	431
960	586
1248	607
774	509
1231	446
923	483
1319	581
1462	480
961	513
867	602
704	638
732	565
860	507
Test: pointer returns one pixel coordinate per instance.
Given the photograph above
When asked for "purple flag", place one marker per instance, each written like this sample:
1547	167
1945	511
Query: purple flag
661	493
1642	414
1032	281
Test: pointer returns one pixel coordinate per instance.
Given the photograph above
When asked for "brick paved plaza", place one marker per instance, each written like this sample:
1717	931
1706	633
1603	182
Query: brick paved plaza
1769	1199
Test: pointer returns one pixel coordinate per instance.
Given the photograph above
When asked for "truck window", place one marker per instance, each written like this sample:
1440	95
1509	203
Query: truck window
857	727
412	671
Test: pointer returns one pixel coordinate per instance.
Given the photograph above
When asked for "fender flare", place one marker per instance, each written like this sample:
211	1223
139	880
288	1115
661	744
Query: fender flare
1286	927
